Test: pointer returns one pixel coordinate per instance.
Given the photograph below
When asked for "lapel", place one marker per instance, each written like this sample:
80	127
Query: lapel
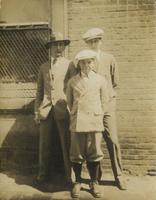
82	87
48	73
51	74
79	85
99	56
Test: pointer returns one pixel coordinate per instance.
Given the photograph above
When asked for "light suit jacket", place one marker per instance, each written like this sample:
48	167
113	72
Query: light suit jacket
86	98
107	67
50	89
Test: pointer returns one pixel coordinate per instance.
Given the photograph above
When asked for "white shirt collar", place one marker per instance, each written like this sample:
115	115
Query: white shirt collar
90	75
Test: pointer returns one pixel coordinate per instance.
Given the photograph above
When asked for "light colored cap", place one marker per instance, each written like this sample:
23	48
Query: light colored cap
93	33
85	54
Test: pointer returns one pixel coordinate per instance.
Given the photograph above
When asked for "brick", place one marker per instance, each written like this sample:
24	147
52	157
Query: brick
135	2
122	2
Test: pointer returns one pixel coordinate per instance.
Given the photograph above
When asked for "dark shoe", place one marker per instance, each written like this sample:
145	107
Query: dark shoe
39	181
76	190
121	183
94	186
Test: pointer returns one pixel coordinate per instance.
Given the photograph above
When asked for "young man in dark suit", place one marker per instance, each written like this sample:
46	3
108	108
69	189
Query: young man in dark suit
51	108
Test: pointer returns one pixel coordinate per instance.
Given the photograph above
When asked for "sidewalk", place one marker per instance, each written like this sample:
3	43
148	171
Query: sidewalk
19	188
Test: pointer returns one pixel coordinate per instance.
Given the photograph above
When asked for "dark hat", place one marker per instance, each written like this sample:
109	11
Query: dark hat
57	37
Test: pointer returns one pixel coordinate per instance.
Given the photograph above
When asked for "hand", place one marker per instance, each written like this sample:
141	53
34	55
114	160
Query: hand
37	119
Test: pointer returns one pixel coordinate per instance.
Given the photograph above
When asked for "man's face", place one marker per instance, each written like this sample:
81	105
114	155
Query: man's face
94	44
57	48
87	65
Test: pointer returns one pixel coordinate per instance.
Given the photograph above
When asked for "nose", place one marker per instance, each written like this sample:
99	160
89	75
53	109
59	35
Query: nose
58	46
94	43
87	65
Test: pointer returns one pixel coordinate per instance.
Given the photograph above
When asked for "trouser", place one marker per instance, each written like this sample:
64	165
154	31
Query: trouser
111	139
48	128
86	146
64	135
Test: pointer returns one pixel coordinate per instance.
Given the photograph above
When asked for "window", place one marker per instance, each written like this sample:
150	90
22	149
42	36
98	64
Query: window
22	51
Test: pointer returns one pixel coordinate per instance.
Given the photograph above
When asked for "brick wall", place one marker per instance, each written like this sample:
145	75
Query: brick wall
130	35
18	142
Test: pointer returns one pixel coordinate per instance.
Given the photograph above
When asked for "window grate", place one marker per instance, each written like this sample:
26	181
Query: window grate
22	51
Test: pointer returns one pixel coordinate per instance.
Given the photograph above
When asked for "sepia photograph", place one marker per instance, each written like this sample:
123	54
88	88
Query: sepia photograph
77	99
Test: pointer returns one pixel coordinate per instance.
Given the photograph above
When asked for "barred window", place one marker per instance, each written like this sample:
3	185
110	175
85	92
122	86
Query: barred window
22	51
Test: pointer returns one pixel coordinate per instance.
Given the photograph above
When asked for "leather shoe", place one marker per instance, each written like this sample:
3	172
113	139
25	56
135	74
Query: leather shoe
121	183
94	186
40	181
76	190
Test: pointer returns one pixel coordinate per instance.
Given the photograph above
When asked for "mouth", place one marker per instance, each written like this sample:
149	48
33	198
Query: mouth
58	52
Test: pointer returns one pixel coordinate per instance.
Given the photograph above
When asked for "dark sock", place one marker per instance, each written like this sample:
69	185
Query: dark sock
93	168
77	170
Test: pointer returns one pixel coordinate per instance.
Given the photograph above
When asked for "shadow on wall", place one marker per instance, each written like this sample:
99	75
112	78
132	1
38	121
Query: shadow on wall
19	141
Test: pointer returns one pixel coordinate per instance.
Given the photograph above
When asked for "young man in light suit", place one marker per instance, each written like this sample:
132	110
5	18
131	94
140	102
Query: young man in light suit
107	67
51	108
87	98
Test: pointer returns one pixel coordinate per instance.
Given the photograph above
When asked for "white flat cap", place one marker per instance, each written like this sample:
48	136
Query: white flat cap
85	54
93	33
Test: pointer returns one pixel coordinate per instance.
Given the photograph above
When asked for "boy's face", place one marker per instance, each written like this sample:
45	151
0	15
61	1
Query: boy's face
94	44
57	48
87	65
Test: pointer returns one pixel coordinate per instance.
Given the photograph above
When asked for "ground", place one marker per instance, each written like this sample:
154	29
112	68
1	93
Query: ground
17	187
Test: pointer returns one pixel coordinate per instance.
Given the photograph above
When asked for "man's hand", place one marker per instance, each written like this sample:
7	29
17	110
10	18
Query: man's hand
37	119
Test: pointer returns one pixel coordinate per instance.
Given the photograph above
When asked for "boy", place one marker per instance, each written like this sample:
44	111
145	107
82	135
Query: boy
86	97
